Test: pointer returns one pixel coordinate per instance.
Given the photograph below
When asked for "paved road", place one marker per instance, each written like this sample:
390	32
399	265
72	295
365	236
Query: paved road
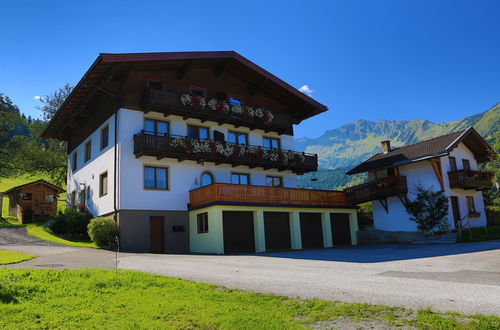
18	236
457	277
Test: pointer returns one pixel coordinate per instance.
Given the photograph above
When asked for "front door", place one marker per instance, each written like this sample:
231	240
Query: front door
156	234
456	210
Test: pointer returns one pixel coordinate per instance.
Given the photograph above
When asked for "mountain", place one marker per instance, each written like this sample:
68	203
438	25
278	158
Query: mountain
344	147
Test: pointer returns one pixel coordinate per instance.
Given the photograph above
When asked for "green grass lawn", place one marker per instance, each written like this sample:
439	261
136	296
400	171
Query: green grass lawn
480	234
11	257
134	300
42	232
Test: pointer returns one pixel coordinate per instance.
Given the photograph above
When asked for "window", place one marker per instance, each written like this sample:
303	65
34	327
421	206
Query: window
88	151
27	196
271	143
50	198
465	164
155	178
155	84
88	193
198	132
202	220
391	171
72	199
237	138
470	205
453	163
103	184
239	178
206	179
75	158
198	91
274	181
156	127
104	137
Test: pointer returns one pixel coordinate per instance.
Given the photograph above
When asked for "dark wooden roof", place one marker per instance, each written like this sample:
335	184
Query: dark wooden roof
109	66
59	190
439	146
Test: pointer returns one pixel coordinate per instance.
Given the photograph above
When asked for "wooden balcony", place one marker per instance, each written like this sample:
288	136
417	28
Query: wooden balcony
231	194
170	103
469	179
185	148
377	189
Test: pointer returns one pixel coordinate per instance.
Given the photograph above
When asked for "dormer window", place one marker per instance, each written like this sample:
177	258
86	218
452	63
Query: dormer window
155	84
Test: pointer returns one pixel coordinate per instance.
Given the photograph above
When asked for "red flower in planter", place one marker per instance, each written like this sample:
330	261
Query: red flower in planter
82	208
389	181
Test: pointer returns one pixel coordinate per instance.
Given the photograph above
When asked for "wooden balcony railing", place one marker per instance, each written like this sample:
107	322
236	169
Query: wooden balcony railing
377	189
185	148
231	194
169	102
469	179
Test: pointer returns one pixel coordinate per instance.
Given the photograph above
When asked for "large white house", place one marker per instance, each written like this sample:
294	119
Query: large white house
448	163
193	152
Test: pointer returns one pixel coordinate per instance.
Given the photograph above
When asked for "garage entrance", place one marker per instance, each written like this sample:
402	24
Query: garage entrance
311	230
156	234
341	229
238	232
277	231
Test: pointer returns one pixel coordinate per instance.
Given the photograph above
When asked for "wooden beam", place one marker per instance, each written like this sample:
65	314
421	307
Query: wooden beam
436	166
383	202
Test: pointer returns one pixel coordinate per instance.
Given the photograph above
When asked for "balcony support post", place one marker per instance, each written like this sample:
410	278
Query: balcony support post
327	229
295	237
259	232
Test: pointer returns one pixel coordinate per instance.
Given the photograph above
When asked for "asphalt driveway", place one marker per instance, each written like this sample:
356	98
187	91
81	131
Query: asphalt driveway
447	277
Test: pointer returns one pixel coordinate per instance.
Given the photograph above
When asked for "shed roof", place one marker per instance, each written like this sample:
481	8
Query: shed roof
59	190
438	146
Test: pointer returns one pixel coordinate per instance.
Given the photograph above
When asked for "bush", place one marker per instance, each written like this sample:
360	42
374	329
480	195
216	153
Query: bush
71	223
103	232
493	215
365	214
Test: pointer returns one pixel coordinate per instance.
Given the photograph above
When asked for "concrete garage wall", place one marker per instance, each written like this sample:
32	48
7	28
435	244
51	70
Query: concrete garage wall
134	230
213	241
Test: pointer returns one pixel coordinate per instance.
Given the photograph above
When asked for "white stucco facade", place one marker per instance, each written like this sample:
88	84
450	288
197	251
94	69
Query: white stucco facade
421	173
182	176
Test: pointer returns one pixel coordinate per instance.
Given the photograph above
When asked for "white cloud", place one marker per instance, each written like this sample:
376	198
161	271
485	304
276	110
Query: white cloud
38	98
306	90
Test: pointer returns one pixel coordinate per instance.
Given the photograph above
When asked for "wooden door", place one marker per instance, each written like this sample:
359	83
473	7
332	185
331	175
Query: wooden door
238	232
311	230
156	234
277	230
341	229
456	210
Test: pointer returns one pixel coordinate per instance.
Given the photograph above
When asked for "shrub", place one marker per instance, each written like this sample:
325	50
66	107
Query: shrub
103	232
429	210
71	223
365	214
493	215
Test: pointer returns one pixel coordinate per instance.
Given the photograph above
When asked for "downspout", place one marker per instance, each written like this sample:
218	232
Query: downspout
115	167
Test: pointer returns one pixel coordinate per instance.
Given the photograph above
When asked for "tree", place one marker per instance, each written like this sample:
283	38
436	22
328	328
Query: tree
429	210
11	124
53	101
492	196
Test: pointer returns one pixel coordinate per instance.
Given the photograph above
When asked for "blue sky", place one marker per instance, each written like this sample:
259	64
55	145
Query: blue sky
401	59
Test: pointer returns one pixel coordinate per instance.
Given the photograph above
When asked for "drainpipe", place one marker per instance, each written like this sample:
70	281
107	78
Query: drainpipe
115	217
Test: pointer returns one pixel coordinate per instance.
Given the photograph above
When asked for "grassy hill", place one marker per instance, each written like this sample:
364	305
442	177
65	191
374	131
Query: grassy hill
342	148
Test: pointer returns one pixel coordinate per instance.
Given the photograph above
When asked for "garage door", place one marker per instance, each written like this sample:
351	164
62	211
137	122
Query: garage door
238	232
277	230
311	230
341	230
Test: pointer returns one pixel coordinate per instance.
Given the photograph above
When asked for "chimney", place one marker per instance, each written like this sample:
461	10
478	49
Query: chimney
386	146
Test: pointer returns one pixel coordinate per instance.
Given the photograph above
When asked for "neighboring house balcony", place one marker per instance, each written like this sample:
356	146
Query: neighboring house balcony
469	179
216	109
377	190
232	194
200	150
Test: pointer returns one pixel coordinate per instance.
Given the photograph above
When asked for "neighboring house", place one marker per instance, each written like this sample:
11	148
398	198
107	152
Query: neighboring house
192	152
447	163
28	202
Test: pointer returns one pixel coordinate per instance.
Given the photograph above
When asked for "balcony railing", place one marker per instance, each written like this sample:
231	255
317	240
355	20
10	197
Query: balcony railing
231	194
220	111
469	179
377	189
186	148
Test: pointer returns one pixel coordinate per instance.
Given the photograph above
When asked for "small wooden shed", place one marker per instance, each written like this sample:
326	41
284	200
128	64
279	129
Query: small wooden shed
29	201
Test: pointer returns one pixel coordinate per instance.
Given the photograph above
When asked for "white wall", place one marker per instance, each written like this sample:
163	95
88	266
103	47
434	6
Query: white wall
422	173
133	196
88	172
